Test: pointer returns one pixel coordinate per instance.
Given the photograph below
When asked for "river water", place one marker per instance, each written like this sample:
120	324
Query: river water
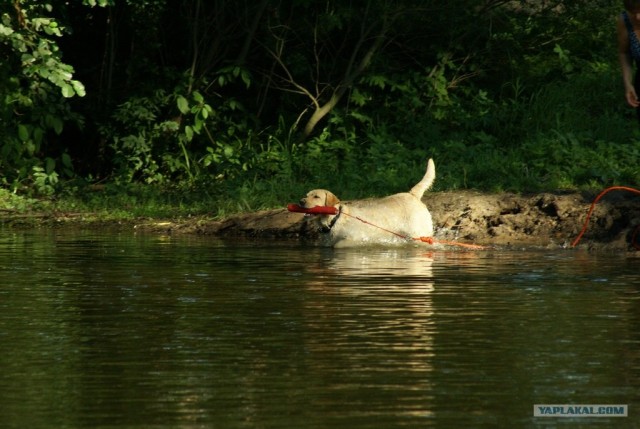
124	330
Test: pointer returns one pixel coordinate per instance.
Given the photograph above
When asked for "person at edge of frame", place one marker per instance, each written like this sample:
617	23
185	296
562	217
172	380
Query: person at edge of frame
628	29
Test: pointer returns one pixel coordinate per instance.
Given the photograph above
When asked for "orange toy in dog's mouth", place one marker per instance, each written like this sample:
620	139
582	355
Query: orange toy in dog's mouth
326	210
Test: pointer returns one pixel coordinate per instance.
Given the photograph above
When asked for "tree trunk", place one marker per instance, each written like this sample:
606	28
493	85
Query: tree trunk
347	82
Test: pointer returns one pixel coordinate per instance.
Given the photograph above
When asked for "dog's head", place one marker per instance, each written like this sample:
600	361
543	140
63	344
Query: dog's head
319	197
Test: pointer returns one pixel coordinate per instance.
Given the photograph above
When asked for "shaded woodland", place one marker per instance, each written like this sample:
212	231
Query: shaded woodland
264	95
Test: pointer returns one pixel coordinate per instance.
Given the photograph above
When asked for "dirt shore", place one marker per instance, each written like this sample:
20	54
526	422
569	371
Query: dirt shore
551	220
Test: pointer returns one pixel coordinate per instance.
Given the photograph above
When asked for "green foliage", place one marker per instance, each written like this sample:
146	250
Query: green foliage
10	201
180	136
35	85
213	96
101	3
133	132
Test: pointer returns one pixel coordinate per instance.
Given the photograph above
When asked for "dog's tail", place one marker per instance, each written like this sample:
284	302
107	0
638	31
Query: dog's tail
426	182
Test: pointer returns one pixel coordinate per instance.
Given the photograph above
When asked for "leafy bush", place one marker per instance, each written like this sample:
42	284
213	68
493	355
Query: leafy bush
255	101
36	85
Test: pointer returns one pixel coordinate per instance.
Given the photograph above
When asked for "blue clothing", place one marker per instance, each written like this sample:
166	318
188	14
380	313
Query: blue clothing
634	43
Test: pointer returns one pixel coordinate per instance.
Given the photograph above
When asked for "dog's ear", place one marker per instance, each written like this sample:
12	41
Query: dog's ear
331	200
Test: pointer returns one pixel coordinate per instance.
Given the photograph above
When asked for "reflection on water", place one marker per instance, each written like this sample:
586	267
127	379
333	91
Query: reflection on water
136	331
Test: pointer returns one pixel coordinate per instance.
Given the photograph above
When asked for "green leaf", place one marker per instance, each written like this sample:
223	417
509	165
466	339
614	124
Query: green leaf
378	81
5	31
188	131
358	97
66	160
183	105
198	97
27	59
197	124
50	165
38	134
57	124
23	132
67	90
245	78
101	3
78	87
52	29
30	147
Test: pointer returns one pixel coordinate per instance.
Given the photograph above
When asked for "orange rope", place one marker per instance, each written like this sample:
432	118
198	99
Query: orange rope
593	205
432	240
429	240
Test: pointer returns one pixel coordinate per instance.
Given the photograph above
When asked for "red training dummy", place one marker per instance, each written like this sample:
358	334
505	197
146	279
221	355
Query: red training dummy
328	210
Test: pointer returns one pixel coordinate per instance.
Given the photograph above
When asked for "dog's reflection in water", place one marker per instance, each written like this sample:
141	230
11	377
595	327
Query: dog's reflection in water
371	270
374	304
409	264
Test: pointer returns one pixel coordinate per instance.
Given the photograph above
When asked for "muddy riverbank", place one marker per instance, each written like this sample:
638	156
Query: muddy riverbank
506	219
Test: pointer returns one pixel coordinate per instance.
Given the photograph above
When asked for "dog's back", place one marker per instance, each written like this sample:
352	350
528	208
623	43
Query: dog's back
419	189
398	218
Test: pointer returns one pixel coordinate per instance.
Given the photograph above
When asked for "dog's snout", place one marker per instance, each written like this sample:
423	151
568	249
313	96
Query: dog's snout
303	201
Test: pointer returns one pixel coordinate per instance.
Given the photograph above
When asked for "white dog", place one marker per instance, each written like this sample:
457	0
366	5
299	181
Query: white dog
393	219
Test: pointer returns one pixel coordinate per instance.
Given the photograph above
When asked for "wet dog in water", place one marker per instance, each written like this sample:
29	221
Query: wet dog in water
404	214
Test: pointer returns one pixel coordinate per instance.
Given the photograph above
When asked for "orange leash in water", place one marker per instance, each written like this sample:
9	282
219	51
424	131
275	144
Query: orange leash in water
429	240
432	240
593	206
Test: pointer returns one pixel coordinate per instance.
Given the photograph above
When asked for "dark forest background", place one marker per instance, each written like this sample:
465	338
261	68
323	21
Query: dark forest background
255	97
